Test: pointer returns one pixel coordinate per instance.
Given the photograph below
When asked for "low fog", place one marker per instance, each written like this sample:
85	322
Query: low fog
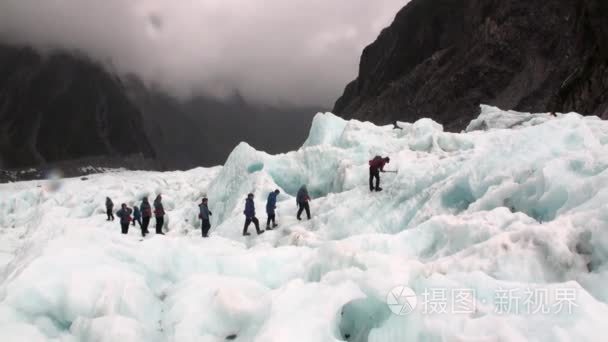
297	52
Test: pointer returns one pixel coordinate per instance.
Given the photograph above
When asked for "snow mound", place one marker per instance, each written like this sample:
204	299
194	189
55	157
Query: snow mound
501	234
495	118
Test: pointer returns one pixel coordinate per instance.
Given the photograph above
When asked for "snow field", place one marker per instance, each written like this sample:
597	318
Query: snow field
488	211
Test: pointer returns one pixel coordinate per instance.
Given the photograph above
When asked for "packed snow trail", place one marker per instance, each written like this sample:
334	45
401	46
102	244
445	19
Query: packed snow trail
514	217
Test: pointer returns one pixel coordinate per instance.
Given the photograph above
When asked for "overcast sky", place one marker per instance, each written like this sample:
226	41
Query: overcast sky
273	51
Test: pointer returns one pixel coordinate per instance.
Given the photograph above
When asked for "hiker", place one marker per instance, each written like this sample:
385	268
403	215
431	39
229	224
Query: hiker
146	214
271	205
204	216
159	212
109	209
376	166
136	215
250	216
137	218
125	218
302	200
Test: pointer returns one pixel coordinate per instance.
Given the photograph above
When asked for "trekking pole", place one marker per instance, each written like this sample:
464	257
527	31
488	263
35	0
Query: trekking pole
391	171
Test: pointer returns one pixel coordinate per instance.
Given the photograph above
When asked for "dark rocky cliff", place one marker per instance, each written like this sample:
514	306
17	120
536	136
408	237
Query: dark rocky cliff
63	107
442	58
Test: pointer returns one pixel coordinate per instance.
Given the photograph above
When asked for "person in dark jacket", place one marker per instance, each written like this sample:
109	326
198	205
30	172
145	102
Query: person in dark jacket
159	212
109	209
204	214
136	215
137	218
376	166
146	214
125	218
302	200
250	216
271	205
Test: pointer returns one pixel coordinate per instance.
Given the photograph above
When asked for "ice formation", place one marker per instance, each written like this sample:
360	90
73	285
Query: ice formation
501	232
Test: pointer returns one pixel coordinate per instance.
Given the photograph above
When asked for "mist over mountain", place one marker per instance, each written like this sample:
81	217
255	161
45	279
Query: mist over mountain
182	86
203	130
64	106
179	84
272	52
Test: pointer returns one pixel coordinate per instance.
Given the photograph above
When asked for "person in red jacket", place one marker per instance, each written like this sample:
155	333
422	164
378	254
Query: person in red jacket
376	166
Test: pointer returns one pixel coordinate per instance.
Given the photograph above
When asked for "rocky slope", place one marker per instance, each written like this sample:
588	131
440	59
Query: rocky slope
66	107
442	58
204	130
63	107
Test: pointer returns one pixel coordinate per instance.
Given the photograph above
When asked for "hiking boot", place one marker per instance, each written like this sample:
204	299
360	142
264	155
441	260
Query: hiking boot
246	234
274	225
260	232
378	189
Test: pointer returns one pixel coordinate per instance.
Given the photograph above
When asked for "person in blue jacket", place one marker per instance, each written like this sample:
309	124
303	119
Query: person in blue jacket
250	216
137	218
136	215
271	205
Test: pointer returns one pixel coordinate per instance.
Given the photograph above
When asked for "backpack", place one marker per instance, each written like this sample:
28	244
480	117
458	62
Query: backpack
376	158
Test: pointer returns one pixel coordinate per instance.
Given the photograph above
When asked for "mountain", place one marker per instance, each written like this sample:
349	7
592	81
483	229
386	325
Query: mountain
66	108
442	58
62	107
204	130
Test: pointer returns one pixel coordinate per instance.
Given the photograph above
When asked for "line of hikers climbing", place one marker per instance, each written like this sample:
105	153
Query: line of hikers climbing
302	199
143	213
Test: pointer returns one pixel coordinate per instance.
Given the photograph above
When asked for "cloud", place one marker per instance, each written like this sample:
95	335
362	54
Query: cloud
271	51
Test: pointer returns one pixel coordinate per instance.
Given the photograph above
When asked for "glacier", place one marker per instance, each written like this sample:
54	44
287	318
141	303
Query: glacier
508	217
